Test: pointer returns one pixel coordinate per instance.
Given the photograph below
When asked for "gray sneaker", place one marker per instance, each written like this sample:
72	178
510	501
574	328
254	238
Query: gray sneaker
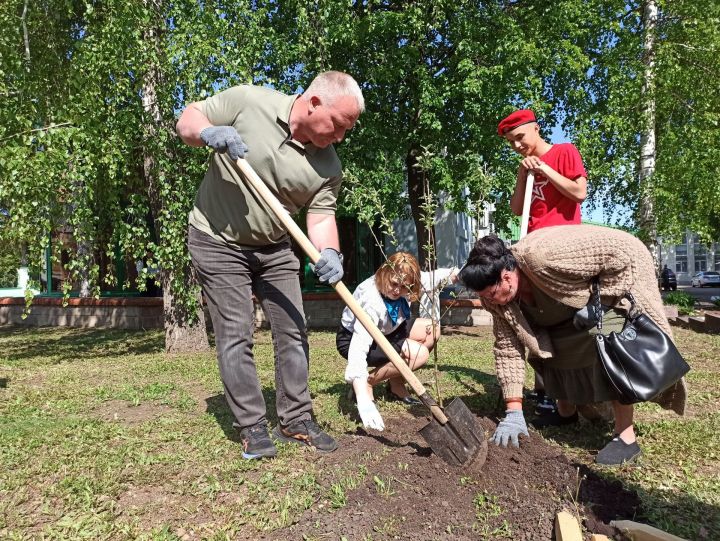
618	452
256	442
306	433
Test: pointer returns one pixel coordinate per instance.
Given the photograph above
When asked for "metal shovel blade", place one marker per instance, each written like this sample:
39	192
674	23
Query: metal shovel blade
459	440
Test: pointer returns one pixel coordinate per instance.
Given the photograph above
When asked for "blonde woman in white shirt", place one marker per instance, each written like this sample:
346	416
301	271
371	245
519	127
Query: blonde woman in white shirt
386	298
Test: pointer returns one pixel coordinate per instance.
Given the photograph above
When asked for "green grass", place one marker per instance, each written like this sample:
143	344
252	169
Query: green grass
102	436
684	301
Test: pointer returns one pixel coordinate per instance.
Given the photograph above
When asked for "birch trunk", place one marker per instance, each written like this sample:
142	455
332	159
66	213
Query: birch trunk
184	332
646	213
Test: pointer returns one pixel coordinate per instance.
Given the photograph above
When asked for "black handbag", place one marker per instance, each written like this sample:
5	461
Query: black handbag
641	361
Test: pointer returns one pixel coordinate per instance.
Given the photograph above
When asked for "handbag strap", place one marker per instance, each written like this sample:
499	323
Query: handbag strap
633	312
597	305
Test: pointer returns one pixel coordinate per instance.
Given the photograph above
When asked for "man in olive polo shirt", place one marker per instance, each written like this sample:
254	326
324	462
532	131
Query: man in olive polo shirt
239	247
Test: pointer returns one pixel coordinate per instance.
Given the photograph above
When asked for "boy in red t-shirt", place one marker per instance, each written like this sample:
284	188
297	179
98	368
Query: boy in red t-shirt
560	178
560	186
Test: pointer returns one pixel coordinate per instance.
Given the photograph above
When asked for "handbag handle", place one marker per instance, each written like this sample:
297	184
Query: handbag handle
596	302
632	312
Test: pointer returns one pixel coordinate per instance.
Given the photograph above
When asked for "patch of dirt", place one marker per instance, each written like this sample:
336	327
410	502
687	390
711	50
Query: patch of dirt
121	411
410	493
153	505
200	395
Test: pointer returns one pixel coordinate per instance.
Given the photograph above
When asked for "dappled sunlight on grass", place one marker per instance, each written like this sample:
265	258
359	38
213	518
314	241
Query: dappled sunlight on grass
53	345
103	435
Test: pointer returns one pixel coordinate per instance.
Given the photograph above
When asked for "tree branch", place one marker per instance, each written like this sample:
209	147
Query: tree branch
46	128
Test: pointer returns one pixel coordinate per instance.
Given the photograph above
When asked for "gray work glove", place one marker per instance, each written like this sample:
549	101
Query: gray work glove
224	139
329	268
510	428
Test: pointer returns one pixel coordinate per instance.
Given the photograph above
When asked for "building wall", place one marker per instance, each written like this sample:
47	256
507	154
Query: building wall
117	313
455	234
689	257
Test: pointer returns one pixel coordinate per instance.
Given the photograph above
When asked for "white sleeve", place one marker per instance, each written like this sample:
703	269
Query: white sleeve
359	347
429	298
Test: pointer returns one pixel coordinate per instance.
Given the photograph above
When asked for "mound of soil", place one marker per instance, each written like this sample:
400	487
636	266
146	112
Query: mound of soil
410	493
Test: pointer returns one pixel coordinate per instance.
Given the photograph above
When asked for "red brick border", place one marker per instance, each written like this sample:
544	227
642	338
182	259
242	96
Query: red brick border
77	301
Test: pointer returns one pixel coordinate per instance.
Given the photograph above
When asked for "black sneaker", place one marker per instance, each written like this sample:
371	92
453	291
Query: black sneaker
306	433
618	452
554	419
545	405
256	442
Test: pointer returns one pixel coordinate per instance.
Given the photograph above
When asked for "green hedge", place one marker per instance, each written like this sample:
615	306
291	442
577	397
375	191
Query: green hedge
684	301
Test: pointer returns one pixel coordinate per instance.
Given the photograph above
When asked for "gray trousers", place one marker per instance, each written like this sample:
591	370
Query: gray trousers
229	276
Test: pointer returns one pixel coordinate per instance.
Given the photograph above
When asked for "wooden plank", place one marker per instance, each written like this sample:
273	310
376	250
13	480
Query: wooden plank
567	527
599	537
643	532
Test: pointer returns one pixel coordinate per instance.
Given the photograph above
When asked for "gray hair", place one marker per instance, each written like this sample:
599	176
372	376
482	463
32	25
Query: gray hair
331	85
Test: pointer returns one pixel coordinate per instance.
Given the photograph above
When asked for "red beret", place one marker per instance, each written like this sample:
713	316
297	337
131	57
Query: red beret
513	120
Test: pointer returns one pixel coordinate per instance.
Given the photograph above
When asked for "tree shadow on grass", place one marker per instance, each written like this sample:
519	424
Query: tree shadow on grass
480	400
70	344
346	406
616	498
218	407
590	435
484	397
680	514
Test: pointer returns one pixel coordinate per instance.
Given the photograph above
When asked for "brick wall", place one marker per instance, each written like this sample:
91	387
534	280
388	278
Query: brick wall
116	312
322	310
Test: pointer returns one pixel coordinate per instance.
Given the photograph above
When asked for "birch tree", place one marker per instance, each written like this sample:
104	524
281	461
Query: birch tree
87	131
646	169
651	67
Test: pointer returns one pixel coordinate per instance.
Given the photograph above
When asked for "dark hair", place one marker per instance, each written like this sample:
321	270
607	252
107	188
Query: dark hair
488	258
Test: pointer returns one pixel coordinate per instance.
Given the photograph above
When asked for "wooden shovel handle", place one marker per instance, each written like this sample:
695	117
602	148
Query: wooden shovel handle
529	182
269	198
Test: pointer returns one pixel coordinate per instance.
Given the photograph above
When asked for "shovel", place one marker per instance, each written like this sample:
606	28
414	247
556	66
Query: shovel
453	434
529	183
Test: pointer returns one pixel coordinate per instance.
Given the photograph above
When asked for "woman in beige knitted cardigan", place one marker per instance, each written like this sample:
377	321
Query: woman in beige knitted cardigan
534	289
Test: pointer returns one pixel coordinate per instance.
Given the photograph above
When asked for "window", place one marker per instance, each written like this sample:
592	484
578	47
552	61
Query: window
701	253
681	258
717	256
358	246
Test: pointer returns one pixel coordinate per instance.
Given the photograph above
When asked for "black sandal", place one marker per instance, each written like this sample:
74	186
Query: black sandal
408	400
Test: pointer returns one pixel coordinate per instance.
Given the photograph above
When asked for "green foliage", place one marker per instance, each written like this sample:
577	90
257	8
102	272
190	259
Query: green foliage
90	94
488	509
684	301
437	77
8	269
605	113
91	91
9	261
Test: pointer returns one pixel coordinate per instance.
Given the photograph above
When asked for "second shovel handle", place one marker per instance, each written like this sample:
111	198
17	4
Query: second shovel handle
525	222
